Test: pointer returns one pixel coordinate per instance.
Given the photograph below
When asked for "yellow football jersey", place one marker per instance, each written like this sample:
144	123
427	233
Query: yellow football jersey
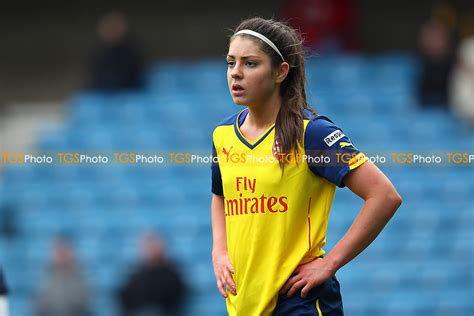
276	221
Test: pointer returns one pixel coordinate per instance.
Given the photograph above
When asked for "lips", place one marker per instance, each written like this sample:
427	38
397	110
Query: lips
237	89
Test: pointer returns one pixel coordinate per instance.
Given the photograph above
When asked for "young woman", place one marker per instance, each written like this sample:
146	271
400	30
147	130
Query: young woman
269	216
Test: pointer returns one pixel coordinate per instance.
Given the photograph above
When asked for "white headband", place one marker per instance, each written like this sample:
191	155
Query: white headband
263	38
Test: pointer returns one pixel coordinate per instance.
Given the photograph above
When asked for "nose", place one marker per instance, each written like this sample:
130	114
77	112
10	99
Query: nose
236	71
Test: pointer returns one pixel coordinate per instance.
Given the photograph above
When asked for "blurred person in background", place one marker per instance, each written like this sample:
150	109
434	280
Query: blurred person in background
8	221
155	287
326	25
436	49
462	83
3	296
117	62
64	292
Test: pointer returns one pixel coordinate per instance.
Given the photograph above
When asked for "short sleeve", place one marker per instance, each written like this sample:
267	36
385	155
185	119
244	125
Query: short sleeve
330	153
3	286
216	174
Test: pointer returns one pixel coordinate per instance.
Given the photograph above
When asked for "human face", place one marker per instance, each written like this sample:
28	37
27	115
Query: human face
249	73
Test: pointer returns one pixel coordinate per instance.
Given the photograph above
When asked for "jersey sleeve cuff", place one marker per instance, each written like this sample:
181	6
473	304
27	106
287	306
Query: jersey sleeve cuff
217	192
356	161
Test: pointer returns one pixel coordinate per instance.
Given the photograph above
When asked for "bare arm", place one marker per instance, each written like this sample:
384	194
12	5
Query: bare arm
219	239
223	268
381	200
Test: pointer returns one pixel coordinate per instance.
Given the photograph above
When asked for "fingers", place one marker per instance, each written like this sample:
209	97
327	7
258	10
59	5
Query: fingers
229	282
230	267
306	289
290	283
225	281
295	288
220	287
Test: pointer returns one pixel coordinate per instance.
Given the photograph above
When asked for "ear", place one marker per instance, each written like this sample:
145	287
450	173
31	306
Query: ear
282	72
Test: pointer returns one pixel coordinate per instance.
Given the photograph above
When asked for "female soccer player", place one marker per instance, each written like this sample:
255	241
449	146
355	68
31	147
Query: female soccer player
269	216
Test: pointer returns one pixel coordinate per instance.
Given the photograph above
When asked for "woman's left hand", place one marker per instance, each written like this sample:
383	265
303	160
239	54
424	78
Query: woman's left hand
308	276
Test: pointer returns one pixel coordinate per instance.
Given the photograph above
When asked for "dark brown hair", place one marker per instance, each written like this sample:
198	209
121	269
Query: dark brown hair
289	122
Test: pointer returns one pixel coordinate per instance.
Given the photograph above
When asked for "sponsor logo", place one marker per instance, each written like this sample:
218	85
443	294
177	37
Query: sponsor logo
227	152
249	202
332	138
346	144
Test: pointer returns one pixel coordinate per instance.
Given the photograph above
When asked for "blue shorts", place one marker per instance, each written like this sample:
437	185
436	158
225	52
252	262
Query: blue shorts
325	300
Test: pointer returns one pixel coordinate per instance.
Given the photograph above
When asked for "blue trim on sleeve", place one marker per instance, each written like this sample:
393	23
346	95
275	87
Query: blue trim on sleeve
215	169
309	115
340	176
216	175
316	131
229	120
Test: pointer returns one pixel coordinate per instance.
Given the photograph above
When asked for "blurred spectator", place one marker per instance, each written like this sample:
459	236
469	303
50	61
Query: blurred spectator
326	25
64	293
462	84
436	54
3	296
8	224
117	63
446	14
155	288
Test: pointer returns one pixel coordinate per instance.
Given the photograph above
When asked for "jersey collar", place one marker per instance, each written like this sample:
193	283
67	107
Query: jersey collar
239	120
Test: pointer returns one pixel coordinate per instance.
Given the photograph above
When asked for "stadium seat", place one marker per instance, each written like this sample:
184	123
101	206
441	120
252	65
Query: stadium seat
408	270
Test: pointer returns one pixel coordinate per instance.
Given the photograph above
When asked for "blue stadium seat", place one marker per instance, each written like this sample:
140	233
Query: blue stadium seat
105	208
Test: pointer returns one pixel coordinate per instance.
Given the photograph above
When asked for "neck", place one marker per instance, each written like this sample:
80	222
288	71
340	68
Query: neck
264	115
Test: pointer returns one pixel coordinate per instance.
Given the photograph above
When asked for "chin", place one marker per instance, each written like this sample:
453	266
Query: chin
239	101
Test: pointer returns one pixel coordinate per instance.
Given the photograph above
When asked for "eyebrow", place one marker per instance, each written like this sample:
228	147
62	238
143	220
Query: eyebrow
245	57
